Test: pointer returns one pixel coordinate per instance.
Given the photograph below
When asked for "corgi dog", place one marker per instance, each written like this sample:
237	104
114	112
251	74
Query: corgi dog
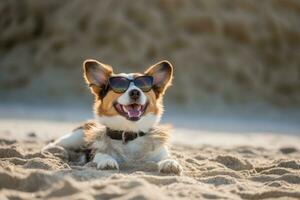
127	108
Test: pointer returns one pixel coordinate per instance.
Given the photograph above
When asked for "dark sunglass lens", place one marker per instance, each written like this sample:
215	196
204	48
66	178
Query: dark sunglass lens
119	84
144	83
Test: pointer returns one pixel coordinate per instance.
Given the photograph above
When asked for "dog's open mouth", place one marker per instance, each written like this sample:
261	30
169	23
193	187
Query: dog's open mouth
132	112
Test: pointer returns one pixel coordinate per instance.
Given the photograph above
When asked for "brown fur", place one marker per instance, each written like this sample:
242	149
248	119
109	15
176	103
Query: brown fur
160	90
104	107
90	63
155	105
92	132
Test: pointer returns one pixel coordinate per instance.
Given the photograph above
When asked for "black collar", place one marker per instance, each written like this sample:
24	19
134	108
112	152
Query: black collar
125	136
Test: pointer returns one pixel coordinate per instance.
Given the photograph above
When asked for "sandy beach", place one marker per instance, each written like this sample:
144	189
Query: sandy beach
209	173
228	164
234	104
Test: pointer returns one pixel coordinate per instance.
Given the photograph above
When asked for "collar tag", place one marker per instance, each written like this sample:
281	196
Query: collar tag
124	137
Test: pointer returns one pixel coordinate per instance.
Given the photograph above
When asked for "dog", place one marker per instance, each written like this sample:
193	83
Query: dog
127	108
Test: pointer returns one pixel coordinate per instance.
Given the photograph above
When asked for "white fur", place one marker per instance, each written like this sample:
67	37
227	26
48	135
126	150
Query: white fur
138	149
135	150
129	76
72	140
124	99
159	154
121	123
104	161
169	166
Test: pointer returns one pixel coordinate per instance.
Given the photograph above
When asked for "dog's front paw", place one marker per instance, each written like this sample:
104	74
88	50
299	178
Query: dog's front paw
105	162
169	166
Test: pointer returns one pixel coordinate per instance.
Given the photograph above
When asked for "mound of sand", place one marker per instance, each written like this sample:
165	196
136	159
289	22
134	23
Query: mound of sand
209	173
233	51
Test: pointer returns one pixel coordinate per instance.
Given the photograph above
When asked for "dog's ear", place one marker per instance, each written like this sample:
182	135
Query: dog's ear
96	75
162	73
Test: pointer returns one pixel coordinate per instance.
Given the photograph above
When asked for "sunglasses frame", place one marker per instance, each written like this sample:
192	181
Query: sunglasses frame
129	81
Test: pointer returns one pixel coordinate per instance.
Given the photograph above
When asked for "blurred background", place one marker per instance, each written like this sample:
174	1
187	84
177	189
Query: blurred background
230	56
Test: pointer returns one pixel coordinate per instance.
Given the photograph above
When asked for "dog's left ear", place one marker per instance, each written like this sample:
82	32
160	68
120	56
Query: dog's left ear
162	73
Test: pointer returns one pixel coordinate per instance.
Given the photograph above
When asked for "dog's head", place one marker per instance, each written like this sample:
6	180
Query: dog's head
131	102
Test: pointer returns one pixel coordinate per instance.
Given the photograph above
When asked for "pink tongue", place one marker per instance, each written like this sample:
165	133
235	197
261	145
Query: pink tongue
133	113
133	110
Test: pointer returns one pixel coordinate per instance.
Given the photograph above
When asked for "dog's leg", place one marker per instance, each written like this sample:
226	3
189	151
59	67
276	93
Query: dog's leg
105	161
73	140
165	163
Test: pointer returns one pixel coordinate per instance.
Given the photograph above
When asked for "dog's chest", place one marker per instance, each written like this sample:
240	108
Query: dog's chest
133	150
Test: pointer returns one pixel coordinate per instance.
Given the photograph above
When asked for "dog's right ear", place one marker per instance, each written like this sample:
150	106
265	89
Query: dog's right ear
96	75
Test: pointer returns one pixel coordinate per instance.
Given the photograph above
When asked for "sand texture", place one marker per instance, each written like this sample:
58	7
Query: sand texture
209	173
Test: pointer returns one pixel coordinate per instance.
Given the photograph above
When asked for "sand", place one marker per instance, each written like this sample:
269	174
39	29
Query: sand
222	158
210	172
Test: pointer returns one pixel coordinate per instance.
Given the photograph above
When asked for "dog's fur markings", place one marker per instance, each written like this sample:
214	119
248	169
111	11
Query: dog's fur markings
111	111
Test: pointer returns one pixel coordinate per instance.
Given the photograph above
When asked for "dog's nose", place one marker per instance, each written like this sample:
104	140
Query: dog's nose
134	94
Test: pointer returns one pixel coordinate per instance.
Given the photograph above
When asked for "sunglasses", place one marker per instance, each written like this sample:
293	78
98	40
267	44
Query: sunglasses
120	84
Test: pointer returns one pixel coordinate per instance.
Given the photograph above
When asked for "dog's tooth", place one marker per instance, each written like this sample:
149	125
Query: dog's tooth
125	109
